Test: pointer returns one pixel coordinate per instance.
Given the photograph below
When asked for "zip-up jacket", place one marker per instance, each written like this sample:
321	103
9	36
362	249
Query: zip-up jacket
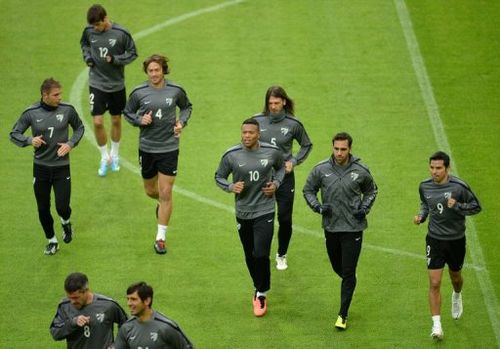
346	189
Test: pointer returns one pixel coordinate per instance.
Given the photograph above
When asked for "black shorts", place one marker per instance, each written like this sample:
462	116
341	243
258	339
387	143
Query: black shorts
152	163
101	101
439	252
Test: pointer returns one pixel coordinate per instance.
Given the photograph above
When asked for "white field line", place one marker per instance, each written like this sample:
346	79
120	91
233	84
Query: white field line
431	105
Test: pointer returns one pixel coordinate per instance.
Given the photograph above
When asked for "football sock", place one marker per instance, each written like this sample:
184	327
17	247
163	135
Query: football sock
64	221
261	294
456	295
162	232
104	152
115	147
53	240
436	319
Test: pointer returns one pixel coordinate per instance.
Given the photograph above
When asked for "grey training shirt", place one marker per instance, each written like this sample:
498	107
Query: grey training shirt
116	42
53	124
255	168
447	223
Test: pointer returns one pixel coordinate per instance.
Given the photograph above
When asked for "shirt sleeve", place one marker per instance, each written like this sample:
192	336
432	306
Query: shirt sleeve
222	174
468	204
130	111
185	107
17	134
279	170
305	146
370	191
130	53
121	339
424	207
311	188
85	46
78	128
62	326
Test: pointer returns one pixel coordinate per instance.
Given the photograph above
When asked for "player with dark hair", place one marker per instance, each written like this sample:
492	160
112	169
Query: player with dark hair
446	200
257	171
348	192
106	47
152	106
148	328
85	319
280	127
49	121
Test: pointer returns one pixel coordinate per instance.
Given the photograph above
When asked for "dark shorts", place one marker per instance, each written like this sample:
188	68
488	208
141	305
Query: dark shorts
101	101
441	252
152	163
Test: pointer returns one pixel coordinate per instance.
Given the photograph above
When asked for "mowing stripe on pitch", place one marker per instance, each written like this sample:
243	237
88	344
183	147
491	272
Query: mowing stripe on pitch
431	105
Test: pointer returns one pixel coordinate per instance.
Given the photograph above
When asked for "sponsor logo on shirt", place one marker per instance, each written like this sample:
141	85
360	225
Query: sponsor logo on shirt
154	336
284	131
264	162
447	195
60	117
354	176
112	42
168	100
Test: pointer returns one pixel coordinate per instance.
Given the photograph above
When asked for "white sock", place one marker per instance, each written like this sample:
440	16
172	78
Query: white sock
64	221
162	232
115	148
104	152
261	294
456	295
436	319
53	240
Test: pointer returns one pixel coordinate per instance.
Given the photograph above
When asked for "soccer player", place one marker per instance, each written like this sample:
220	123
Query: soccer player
446	200
152	106
85	319
348	192
148	328
50	120
257	171
279	127
107	47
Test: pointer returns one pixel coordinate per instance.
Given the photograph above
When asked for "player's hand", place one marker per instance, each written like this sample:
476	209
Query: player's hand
110	59
325	210
269	189
90	62
288	166
238	187
360	214
64	149
147	118
417	220
451	202
178	129
82	320
37	141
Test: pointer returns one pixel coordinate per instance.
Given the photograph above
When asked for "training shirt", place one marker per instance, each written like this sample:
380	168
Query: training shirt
116	42
158	137
103	312
52	123
159	332
447	223
281	129
255	168
346	189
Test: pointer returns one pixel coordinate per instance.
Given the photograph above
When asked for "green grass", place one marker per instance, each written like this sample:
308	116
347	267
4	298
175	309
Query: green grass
347	66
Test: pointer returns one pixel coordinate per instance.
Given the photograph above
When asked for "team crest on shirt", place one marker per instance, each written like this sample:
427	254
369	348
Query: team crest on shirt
447	195
100	317
264	162
284	131
354	176
154	336
60	117
112	42
168	100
